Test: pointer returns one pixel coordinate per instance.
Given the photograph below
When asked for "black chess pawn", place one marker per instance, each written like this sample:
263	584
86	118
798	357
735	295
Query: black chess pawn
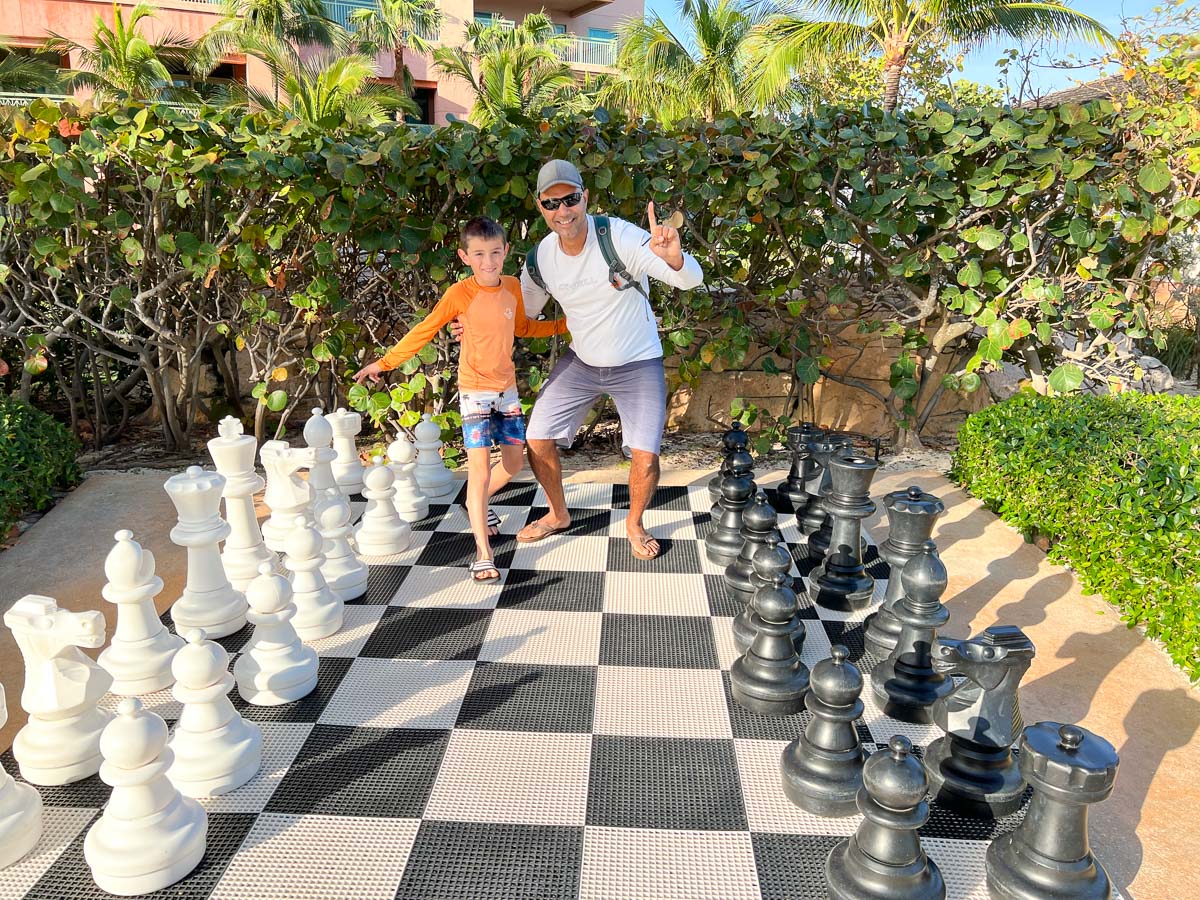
911	514
841	581
972	769
823	768
772	564
731	441
823	450
724	543
758	524
793	493
906	683
769	677
1048	854
884	859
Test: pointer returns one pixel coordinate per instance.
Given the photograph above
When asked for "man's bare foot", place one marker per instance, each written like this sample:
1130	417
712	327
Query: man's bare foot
643	543
543	528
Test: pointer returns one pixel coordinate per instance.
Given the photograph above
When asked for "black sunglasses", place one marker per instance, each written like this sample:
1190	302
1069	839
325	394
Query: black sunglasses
569	201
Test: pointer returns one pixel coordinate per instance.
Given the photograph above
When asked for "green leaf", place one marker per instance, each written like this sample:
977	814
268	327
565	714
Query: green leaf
971	275
989	238
970	382
1134	230
906	388
277	401
1007	130
357	395
1154	177
1045	333
1066	378
1187	209
808	371
428	354
941	121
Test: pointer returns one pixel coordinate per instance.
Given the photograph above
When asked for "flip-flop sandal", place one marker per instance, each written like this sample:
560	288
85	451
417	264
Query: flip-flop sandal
546	531
634	546
493	521
483	565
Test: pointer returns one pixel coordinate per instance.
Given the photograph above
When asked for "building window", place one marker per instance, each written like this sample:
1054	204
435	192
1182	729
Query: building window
424	98
560	29
601	34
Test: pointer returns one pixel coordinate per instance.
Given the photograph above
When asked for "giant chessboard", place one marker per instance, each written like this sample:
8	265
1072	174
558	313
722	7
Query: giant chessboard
565	733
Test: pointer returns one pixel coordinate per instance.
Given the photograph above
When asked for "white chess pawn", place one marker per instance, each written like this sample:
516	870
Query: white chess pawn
342	570
411	505
61	741
216	750
150	835
244	550
208	601
20	811
380	532
318	612
434	479
275	667
347	468
288	495
139	657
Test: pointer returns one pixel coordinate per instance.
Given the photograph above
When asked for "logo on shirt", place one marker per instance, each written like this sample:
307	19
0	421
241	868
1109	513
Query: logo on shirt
508	312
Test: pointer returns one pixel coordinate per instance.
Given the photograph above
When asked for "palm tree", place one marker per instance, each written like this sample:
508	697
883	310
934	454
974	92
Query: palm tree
332	91
26	74
512	70
660	74
820	31
397	25
265	26
122	62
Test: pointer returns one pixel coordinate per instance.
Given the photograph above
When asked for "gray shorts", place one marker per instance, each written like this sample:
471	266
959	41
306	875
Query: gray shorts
639	390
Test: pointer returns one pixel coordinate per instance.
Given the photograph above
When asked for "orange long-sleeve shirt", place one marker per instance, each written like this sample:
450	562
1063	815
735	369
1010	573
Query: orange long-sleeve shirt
492	317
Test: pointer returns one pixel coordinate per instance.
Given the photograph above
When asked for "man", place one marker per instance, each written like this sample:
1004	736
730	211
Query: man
615	348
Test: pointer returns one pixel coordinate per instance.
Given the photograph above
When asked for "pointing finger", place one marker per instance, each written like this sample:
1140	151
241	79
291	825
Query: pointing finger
650	216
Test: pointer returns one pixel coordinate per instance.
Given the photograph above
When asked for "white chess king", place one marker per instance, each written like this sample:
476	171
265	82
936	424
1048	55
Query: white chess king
20	811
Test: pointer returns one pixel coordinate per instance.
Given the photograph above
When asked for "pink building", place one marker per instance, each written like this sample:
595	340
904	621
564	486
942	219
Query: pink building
592	24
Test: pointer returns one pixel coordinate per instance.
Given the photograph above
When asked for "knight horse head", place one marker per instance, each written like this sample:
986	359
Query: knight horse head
58	678
984	706
282	464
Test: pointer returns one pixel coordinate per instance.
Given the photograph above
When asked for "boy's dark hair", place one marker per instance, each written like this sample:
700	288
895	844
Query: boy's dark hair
481	227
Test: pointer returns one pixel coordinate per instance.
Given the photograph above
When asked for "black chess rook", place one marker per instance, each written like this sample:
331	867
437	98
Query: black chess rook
822	450
841	581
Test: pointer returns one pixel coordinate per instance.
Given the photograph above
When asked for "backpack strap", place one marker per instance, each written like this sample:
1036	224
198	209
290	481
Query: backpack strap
619	275
531	266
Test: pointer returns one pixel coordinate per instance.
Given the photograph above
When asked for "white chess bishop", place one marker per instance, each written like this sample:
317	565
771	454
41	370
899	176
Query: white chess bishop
318	612
139	657
20	811
150	835
61	741
288	495
347	467
208	601
276	667
380	532
343	571
216	750
434	479
411	505
244	550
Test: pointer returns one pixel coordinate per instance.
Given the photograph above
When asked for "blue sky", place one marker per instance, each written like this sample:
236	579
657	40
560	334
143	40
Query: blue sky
980	65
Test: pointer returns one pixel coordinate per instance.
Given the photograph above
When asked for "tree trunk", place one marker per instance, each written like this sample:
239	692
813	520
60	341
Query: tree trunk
891	84
398	75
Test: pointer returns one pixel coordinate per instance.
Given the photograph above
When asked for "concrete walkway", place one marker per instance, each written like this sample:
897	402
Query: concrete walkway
1090	668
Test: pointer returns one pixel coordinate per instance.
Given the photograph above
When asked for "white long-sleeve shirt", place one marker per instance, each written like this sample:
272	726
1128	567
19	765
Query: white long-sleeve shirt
608	327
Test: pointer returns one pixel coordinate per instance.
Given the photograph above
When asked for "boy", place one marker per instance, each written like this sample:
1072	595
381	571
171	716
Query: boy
490	308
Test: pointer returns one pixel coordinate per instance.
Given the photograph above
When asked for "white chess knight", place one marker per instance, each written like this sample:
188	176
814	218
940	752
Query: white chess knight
288	495
434	479
208	601
380	532
347	467
244	550
318	612
411	505
150	835
20	811
139	657
275	667
343	571
216	750
61	741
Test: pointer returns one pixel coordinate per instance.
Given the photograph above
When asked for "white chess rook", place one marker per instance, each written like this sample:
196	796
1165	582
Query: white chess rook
380	532
343	571
244	550
61	741
318	612
216	750
411	505
139	657
276	667
288	495
20	811
340	562
208	601
434	479
150	835
347	467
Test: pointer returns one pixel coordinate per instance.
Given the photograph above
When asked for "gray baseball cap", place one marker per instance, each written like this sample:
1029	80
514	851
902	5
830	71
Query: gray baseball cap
558	171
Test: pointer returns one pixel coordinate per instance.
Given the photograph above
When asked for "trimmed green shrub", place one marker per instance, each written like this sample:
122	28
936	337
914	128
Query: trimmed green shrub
1114	482
37	454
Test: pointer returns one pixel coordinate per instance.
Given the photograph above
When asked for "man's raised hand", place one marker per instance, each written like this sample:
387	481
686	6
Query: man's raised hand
664	240
373	371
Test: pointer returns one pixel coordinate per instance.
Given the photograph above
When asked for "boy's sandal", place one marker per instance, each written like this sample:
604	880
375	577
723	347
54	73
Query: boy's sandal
493	521
484	565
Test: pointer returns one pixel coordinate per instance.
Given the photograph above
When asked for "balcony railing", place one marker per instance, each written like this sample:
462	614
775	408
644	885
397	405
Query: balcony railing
588	52
19	99
341	10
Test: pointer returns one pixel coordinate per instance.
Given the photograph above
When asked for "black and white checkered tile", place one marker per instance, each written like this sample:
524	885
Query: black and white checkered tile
567	732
